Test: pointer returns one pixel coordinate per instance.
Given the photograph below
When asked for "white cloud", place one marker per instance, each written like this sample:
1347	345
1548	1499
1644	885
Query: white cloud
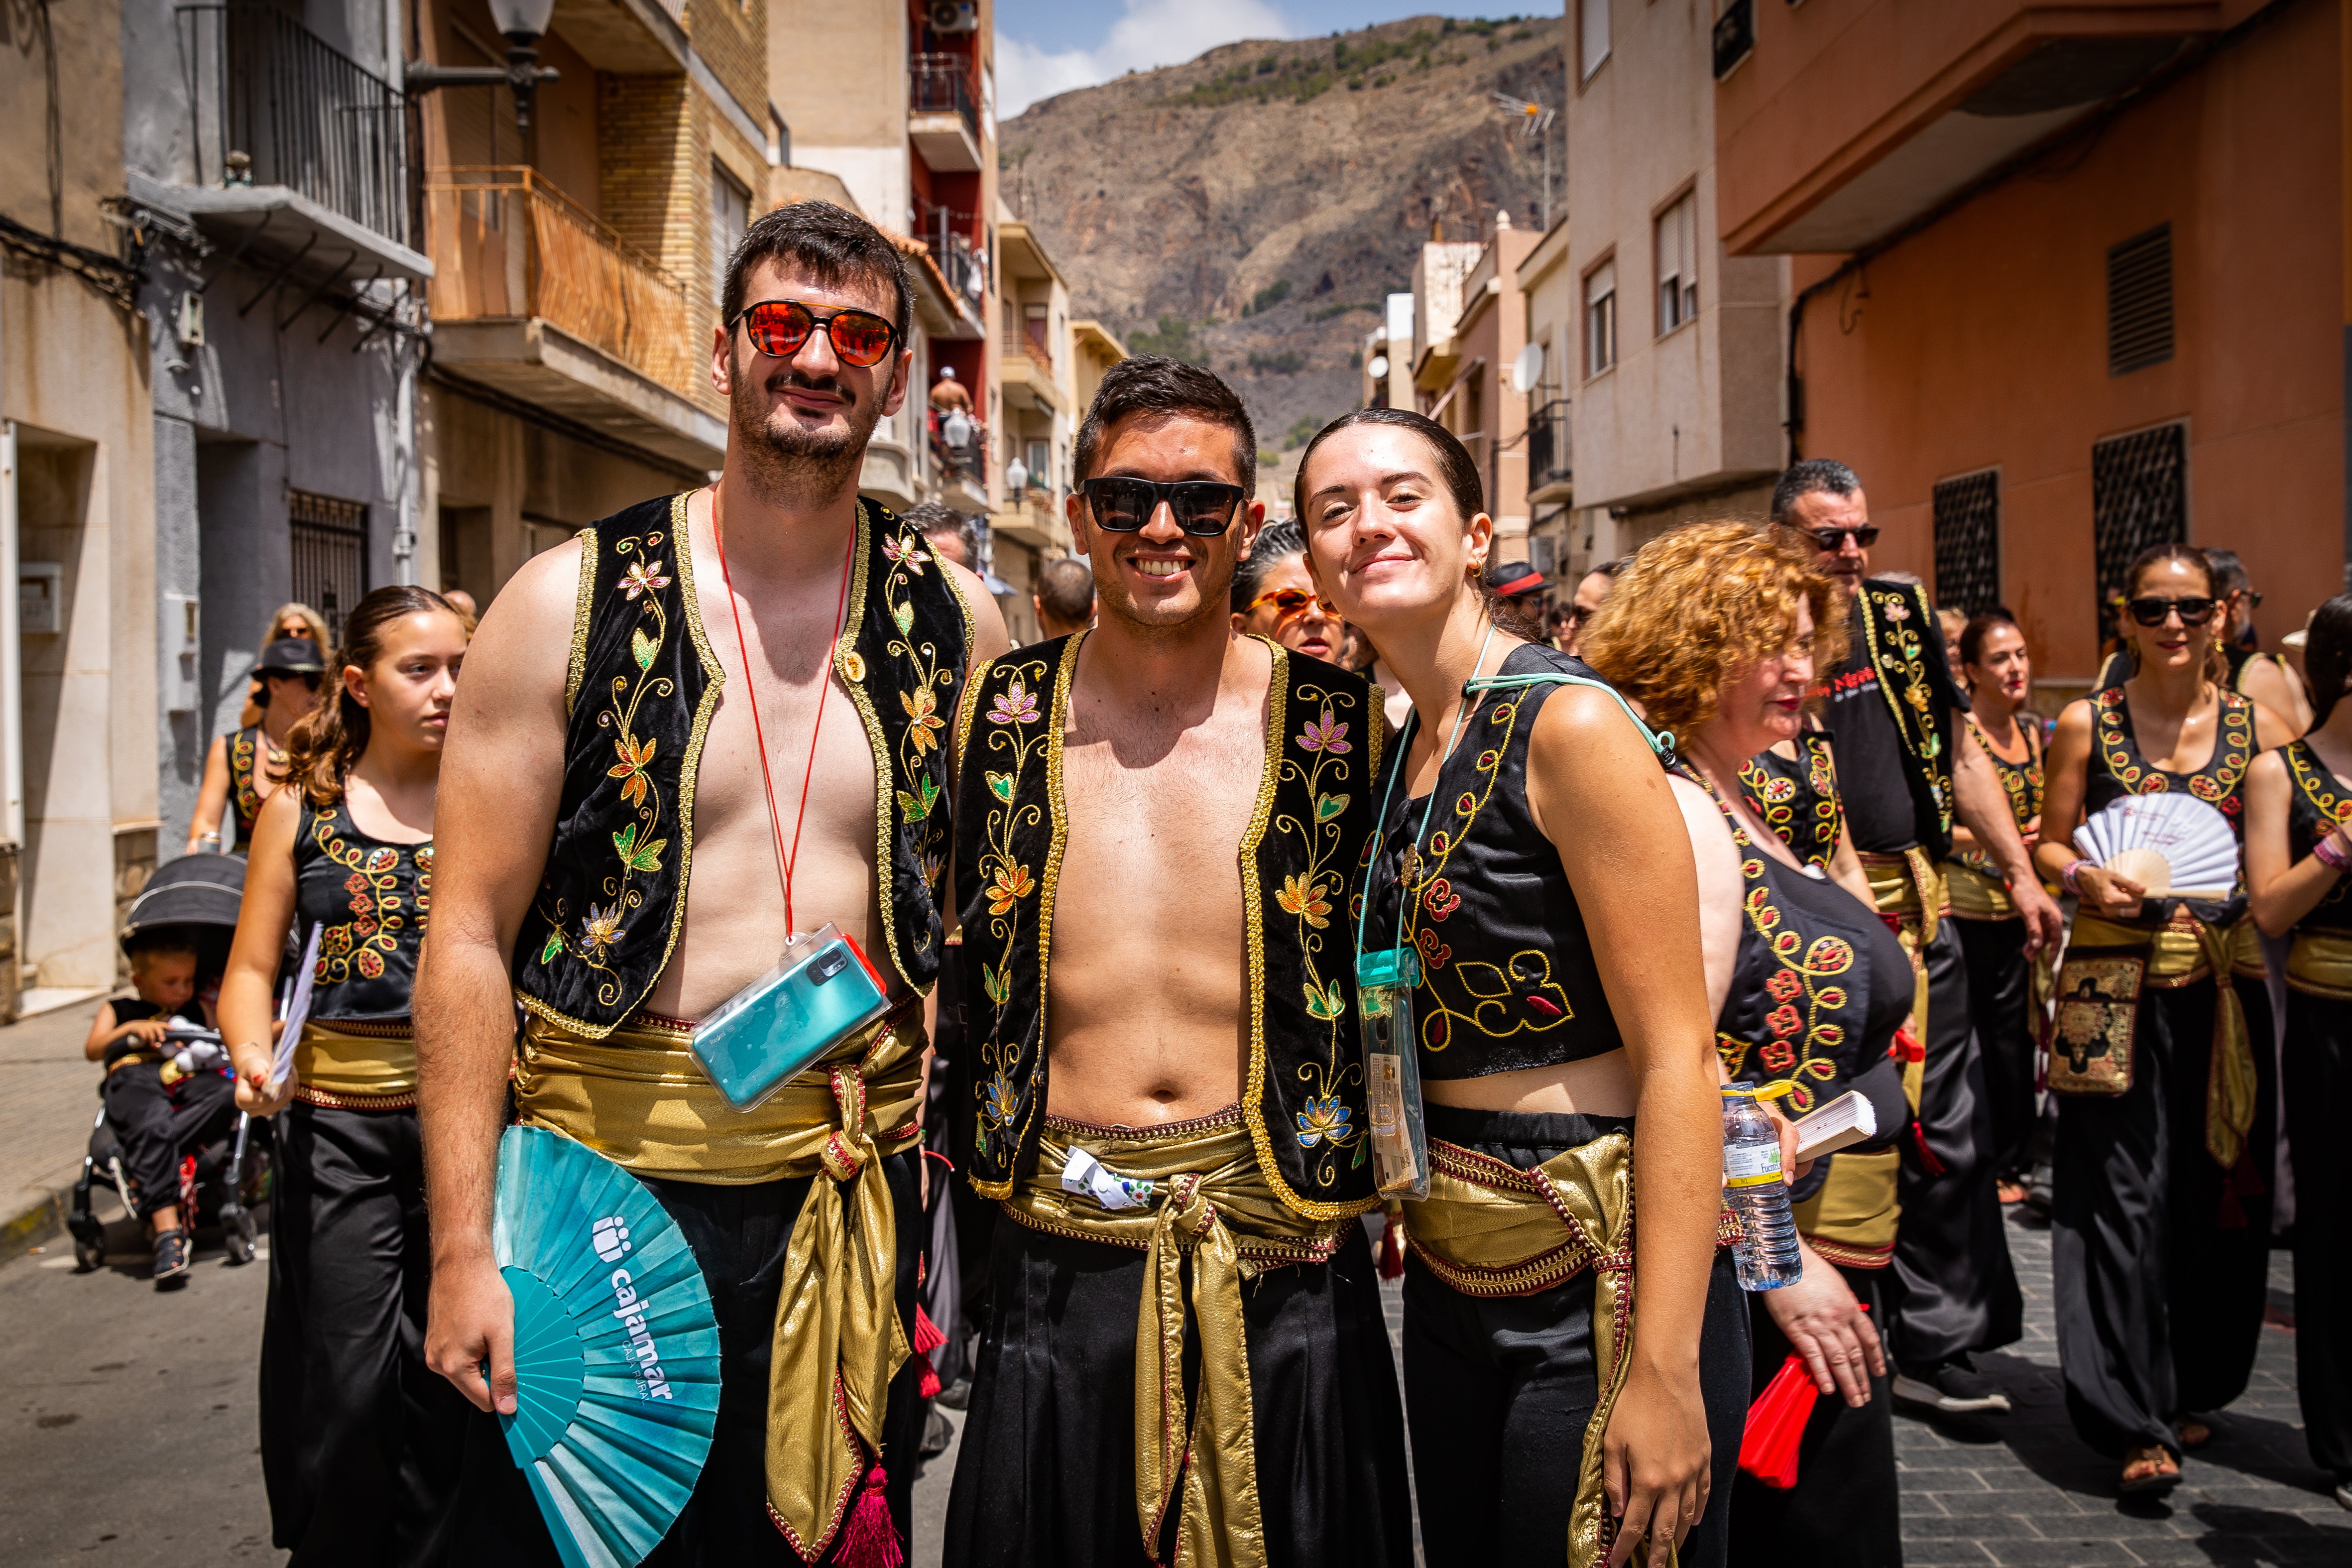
1153	32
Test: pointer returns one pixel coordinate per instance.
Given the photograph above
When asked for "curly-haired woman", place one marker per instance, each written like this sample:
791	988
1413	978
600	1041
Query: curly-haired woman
1716	630
358	1439
1535	860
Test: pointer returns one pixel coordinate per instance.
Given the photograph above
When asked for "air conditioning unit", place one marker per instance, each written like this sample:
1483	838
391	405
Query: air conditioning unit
955	15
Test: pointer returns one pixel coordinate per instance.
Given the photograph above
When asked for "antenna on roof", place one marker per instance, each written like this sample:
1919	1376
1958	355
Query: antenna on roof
1536	122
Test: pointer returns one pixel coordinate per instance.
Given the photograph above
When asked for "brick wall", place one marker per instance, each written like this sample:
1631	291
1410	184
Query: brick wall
653	144
731	36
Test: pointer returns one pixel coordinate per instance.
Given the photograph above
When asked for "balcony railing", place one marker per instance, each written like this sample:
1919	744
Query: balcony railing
507	245
1548	461
941	84
947	232
273	104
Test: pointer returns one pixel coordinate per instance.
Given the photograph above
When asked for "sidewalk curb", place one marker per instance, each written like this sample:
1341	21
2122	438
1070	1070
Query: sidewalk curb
28	1228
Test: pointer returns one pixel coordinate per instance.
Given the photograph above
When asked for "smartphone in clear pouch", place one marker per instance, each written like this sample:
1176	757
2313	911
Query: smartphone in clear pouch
1384	984
821	991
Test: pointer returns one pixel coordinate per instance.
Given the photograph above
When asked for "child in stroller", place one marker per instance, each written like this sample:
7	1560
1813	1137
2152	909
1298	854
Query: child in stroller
170	1117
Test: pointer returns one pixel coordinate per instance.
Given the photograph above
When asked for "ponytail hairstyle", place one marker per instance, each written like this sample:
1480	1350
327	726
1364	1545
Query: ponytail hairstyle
2327	656
2216	666
1458	470
325	744
1981	627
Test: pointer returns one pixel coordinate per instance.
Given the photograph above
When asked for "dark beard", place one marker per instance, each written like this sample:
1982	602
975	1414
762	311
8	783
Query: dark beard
791	469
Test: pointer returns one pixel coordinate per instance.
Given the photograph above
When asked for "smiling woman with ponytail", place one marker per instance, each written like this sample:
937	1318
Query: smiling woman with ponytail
2298	850
359	1441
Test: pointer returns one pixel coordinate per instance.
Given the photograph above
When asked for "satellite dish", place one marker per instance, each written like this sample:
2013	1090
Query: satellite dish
1526	369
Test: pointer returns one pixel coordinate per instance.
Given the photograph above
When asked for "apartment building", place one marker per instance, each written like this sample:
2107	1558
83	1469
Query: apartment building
1674	373
1548	297
896	99
579	259
2069	282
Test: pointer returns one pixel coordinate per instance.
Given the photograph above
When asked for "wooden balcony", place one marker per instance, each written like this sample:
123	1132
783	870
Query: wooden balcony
535	297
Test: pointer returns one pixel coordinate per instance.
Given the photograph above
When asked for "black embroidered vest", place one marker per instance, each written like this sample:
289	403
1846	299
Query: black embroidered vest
1798	797
642	684
1894	622
2116	769
246	749
2020	783
371	899
2314	808
1507	977
1303	1101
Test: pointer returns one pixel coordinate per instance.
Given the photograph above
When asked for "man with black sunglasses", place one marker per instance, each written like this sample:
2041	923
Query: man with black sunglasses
1906	770
1171	811
707	725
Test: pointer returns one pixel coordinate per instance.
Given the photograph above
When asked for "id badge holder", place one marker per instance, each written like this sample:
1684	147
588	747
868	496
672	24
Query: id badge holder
1384	985
823	991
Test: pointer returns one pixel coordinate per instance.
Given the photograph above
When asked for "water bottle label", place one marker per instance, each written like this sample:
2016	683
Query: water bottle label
1753	1165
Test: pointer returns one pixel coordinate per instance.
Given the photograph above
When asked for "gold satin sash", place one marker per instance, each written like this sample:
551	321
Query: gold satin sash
1909	887
356	1065
2319	963
637	1098
1976	896
1852	1220
2180	952
1209	1200
1488	1229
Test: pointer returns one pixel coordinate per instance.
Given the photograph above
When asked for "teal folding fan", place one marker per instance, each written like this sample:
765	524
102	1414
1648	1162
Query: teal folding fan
617	1349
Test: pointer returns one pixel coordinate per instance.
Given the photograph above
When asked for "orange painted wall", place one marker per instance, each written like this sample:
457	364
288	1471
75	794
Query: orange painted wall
1981	341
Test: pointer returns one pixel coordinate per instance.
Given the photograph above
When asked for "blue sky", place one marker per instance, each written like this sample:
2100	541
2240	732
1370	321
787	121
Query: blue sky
1046	46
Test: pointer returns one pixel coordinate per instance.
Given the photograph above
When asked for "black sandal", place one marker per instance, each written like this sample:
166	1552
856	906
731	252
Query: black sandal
172	1262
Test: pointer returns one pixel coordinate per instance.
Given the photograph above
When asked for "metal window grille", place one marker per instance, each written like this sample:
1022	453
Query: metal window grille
1734	36
328	539
1968	541
2139	497
2140	301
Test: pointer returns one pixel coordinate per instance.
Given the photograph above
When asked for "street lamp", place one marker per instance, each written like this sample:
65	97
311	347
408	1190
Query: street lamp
524	23
1016	476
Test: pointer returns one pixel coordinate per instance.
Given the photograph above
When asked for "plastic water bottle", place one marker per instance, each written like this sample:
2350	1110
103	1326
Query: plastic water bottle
1752	1188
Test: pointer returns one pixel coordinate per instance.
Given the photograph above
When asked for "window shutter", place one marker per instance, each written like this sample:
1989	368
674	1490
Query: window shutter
2140	301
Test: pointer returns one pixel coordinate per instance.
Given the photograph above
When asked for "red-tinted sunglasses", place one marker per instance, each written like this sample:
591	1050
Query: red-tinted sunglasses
778	328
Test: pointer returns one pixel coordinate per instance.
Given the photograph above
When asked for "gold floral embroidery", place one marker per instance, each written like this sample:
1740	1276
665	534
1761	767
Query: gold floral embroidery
1324	766
2316	784
359	945
1016	738
1897	652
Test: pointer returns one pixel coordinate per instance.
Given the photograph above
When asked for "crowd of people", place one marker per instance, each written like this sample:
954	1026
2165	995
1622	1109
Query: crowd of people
1733	816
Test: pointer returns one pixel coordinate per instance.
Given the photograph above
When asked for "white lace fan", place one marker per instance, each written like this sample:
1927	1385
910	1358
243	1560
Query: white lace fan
2175	846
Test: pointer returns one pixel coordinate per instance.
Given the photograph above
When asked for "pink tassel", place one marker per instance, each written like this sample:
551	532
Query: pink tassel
928	1337
868	1540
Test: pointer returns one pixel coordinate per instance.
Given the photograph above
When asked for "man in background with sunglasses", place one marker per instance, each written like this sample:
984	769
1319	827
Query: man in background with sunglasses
1169	811
708	724
1907	769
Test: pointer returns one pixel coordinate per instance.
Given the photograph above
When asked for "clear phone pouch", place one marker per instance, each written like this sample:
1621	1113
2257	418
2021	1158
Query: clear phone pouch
821	991
1384	985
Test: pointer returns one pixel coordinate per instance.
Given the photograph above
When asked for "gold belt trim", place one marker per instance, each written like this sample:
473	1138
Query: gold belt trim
1974	895
637	1098
2182	951
1213	1201
356	1064
1488	1229
2319	963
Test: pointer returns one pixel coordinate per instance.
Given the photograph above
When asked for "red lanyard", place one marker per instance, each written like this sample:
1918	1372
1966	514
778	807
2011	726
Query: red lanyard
751	691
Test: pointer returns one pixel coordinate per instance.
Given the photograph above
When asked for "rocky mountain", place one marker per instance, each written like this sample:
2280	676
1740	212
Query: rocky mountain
1248	210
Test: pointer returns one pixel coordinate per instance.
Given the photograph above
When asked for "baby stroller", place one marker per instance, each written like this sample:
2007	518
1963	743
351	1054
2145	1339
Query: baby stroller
200	895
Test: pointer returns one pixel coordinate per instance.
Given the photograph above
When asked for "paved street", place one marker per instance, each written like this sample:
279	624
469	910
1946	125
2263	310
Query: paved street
127	1427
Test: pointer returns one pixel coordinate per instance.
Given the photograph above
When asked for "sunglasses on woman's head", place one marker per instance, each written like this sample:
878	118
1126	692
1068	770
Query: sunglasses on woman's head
1287	602
2151	610
1202	508
778	328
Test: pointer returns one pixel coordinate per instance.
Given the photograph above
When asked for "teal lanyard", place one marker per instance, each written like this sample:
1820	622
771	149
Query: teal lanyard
1661	743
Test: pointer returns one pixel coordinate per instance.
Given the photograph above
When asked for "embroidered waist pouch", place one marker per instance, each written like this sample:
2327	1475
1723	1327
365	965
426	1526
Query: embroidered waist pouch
637	1098
1489	1229
2319	963
2107	965
356	1065
1193	1189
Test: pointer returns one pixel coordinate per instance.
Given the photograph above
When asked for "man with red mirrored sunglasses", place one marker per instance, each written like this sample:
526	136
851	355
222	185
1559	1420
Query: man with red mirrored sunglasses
710	723
1906	771
1185	1359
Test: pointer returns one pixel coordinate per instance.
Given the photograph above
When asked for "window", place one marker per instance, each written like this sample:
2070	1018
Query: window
1677	233
2140	301
1601	318
329	541
1735	35
1968	541
1039	461
2139	497
1592	34
730	215
1038	341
